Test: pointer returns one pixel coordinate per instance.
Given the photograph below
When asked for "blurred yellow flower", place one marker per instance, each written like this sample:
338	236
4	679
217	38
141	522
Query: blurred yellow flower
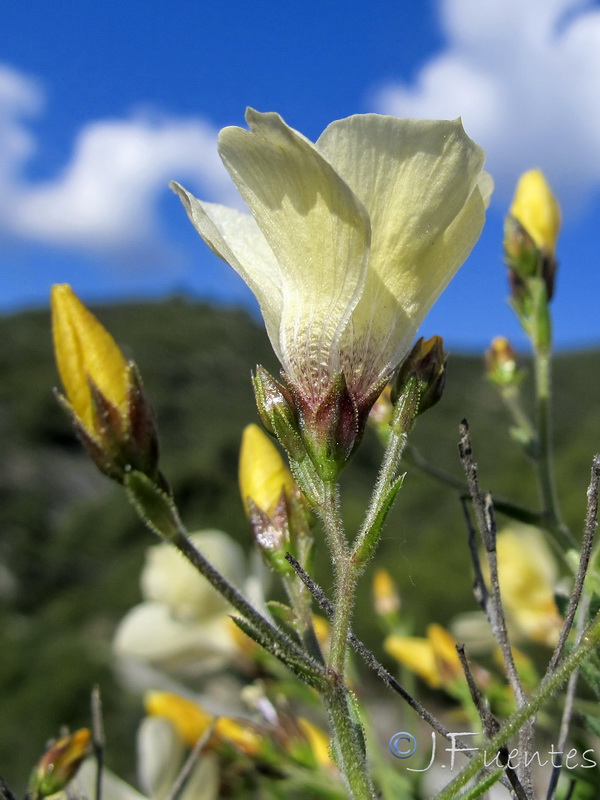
192	722
351	240
385	595
535	207
434	659
528	574
501	363
318	741
263	474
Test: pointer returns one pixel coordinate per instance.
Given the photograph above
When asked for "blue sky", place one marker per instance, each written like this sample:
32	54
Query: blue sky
102	104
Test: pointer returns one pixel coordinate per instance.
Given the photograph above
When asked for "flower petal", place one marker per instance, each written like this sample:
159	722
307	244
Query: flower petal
418	180
160	755
236	238
169	579
317	229
148	633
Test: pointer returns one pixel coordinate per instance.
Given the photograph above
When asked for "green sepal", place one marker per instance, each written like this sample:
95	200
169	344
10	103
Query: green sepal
277	413
371	540
303	666
154	505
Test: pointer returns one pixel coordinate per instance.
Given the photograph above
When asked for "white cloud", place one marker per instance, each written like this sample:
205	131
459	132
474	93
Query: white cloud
106	196
525	77
20	97
107	193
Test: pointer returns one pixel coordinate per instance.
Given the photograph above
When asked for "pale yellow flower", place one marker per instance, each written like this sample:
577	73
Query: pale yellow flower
183	624
528	575
351	240
535	207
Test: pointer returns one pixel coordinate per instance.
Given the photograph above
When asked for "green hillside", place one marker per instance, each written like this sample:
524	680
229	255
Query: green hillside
71	549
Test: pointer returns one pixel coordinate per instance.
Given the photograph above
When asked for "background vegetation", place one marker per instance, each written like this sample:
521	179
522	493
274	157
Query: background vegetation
71	549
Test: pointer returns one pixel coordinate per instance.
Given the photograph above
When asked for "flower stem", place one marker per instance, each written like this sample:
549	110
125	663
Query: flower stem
388	482
551	511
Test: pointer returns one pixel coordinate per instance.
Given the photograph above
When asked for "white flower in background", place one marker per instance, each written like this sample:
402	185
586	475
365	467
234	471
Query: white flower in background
113	788
161	757
183	623
351	240
162	754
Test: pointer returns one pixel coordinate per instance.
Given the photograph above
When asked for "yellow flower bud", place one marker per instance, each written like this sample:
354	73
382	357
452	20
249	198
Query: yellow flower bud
501	363
322	631
85	351
263	474
104	393
444	650
537	210
59	764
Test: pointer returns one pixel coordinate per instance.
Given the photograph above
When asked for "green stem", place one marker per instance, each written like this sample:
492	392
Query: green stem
345	589
405	413
546	689
511	398
347	740
328	509
551	511
349	744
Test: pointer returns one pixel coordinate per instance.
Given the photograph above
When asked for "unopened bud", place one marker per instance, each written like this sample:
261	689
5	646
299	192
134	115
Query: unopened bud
501	363
59	764
424	368
273	502
104	395
263	474
530	235
535	207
